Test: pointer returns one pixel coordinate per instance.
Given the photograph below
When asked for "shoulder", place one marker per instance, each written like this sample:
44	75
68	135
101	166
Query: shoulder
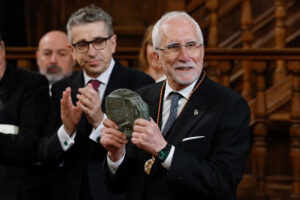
29	77
67	81
150	91
226	97
224	93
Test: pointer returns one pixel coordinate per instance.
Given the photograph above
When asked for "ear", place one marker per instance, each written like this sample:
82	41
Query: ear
37	57
113	41
71	48
2	47
156	58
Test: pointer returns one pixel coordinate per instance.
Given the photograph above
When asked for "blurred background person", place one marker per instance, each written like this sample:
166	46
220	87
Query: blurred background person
24	99
54	57
148	61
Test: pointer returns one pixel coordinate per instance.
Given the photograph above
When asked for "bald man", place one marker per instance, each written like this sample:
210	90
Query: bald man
54	56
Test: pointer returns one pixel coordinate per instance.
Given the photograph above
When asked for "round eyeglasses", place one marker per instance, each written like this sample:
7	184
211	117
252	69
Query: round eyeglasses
174	49
98	44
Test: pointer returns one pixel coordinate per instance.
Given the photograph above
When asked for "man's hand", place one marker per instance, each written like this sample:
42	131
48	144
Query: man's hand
113	140
147	136
70	114
89	102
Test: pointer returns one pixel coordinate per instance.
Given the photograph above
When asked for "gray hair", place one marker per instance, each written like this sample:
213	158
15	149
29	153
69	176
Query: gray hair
156	39
89	14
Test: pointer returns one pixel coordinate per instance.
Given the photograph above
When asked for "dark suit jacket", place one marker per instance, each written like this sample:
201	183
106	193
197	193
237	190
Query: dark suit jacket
24	99
208	167
81	164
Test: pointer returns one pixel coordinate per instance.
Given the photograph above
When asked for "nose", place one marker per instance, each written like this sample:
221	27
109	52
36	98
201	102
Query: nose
183	55
53	58
91	51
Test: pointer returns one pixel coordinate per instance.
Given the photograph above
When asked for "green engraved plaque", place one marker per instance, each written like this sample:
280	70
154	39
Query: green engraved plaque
124	106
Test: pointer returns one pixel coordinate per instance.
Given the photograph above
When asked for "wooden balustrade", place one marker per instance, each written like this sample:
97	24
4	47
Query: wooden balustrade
221	54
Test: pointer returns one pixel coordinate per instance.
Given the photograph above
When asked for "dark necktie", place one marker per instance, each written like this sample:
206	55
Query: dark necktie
95	83
173	111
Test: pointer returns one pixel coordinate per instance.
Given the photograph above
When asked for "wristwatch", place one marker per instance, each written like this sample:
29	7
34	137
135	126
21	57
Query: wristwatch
163	154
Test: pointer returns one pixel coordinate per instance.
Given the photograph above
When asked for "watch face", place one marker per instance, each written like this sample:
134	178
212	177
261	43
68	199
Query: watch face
163	154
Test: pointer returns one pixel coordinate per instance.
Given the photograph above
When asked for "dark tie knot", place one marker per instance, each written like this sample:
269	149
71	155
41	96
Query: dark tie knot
95	83
175	96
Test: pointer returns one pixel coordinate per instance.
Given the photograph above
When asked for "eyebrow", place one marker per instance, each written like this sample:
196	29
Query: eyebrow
95	38
171	43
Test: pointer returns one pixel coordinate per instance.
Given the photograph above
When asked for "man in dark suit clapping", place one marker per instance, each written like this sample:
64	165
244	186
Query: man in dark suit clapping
77	106
196	146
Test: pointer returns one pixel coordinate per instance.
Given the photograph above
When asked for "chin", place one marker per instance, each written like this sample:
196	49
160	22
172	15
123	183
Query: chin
186	79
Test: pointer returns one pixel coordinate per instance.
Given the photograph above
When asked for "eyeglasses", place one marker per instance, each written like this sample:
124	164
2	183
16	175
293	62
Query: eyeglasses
174	49
98	44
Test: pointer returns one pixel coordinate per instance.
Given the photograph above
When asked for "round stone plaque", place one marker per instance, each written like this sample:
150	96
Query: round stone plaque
124	106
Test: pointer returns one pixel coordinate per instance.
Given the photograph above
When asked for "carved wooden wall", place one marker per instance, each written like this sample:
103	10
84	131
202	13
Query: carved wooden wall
130	19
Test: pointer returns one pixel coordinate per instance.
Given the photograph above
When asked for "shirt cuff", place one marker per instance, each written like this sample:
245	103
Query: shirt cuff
113	166
167	163
65	140
96	133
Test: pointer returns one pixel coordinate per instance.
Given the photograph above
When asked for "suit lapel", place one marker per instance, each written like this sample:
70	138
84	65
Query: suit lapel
154	103
190	116
77	82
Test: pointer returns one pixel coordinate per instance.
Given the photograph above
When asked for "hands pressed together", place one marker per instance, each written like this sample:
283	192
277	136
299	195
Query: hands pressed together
88	103
146	135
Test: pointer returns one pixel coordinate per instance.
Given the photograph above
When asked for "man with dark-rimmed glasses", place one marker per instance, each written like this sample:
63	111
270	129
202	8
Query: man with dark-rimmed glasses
73	132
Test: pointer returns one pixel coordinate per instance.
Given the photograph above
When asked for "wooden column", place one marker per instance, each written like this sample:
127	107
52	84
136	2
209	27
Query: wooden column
294	68
212	6
225	68
280	36
247	37
259	148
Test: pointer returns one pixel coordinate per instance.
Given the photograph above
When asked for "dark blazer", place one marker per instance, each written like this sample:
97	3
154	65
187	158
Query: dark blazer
80	169
208	166
24	99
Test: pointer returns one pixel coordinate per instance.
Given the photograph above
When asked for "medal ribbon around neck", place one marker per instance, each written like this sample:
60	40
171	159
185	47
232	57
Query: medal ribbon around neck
149	163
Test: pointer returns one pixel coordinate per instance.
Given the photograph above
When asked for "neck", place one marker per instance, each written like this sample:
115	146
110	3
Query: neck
177	86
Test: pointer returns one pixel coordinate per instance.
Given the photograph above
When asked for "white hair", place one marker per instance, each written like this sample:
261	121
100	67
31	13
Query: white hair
156	39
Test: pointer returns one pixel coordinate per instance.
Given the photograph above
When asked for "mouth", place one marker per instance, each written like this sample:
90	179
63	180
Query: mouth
185	69
93	62
53	69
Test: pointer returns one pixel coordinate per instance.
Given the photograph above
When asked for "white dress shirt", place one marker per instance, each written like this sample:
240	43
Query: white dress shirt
65	140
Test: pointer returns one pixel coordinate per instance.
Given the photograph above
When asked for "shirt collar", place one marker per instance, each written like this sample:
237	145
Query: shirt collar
104	77
184	92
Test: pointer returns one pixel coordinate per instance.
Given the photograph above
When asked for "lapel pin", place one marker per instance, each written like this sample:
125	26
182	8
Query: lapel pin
196	112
